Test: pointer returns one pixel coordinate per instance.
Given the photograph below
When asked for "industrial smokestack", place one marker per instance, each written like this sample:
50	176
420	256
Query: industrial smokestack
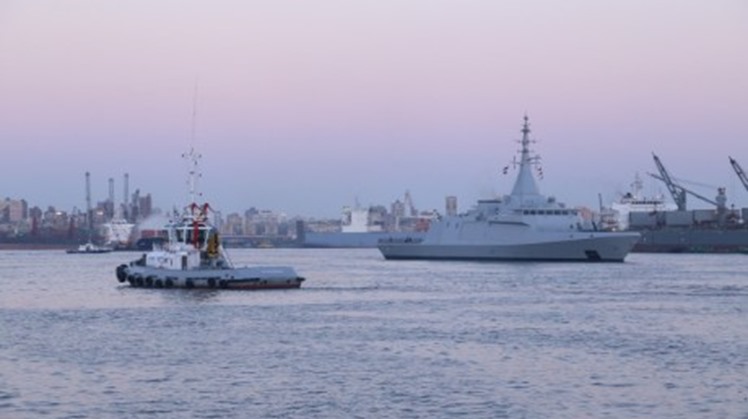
111	190
127	190
126	200
110	202
89	215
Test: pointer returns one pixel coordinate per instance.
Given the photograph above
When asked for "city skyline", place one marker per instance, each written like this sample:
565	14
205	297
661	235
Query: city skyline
304	107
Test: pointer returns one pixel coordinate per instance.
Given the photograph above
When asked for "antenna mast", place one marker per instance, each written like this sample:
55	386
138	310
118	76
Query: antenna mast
525	184
193	156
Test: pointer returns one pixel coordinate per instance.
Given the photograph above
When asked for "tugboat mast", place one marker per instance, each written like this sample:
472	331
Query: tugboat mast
193	159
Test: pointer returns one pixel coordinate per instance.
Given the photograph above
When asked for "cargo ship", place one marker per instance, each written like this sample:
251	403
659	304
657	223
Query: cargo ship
672	228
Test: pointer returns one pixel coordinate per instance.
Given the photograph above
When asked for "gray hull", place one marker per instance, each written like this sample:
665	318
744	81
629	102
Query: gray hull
602	247
353	240
265	277
693	240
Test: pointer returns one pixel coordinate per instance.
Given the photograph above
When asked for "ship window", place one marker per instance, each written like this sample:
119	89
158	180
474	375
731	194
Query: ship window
532	212
557	212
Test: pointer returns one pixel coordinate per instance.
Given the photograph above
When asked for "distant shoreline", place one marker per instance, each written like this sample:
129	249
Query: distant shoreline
34	246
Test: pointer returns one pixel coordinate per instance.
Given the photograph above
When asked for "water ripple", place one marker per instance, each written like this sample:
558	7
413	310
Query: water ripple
657	336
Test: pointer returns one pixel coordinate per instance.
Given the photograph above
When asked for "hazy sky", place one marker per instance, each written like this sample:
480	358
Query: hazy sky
303	106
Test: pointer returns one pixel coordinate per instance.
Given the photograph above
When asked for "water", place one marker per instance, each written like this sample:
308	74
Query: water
661	336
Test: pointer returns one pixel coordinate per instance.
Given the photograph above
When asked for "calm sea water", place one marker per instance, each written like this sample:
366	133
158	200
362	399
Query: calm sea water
660	336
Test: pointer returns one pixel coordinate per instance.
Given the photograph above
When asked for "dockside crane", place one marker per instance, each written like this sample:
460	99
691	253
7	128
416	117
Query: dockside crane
679	192
739	170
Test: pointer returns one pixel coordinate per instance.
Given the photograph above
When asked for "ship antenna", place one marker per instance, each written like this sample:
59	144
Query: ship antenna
525	156
525	184
193	157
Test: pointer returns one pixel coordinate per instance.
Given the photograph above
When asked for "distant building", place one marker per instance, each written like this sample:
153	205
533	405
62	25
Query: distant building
233	225
145	206
451	205
398	209
13	210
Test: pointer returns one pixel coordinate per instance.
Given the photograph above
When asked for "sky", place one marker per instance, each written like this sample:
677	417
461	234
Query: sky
303	107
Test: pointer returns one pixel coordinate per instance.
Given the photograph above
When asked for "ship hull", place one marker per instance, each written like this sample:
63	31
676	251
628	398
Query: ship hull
353	240
246	278
693	240
601	247
87	252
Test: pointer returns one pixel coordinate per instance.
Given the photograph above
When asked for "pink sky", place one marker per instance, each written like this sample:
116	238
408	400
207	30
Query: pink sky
305	105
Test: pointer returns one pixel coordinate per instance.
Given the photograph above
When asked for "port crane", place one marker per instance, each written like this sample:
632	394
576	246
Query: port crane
739	170
678	192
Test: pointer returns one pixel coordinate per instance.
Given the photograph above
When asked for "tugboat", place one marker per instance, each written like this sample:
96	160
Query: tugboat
193	257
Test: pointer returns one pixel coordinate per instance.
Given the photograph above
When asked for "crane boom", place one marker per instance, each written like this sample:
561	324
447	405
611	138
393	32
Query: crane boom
739	170
678	192
688	191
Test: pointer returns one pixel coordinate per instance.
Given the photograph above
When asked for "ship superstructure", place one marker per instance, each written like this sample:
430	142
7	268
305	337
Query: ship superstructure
635	201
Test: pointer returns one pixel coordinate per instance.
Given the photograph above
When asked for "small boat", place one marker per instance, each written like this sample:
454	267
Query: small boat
193	257
89	248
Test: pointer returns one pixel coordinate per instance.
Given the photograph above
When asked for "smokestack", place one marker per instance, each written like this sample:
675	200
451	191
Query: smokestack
111	190
89	215
110	204
127	190
126	200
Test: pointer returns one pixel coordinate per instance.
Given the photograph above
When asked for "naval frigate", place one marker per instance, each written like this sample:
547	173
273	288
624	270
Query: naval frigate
522	226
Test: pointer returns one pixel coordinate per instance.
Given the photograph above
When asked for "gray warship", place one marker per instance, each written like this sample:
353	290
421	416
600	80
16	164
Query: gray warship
522	226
